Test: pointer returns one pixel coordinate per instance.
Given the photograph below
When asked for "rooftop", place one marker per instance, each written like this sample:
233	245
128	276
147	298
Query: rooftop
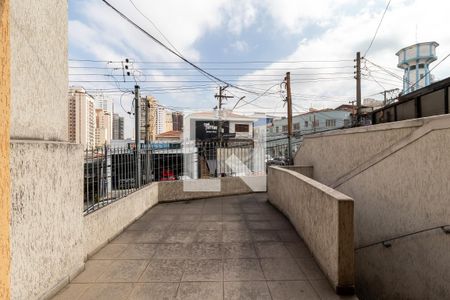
217	248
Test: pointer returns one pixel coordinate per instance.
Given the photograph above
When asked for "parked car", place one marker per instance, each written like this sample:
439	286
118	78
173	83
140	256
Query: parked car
168	175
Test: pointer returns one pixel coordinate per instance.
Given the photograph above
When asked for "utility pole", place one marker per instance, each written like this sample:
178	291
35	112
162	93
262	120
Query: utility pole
137	137
220	97
289	113
358	88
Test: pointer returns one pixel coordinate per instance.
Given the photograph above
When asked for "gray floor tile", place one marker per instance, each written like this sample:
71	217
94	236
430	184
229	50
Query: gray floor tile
150	237
238	250
110	251
288	236
123	271
209	236
232	217
108	291
203	270
92	270
281	269
206	251
138	225
310	268
292	290
271	249
163	270
265	236
298	250
186	217
72	291
257	217
139	251
242	270
154	291
200	291
127	237
259	225
185	225
169	251
229	236
160	225
212	217
248	290
235	225
180	236
209	225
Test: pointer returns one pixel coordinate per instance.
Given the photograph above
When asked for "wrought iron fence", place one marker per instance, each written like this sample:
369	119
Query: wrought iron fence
111	173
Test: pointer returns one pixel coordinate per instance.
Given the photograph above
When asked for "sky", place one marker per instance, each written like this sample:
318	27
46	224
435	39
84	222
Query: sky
249	44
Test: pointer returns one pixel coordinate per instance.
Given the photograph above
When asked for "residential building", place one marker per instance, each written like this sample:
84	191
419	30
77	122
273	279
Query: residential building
118	127
310	122
148	118
81	119
206	125
104	103
103	128
177	121
172	135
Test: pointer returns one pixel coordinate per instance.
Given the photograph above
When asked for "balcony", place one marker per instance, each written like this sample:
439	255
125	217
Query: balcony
234	247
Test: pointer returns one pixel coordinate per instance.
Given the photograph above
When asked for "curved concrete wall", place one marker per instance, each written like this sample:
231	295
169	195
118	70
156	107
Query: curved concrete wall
401	189
324	219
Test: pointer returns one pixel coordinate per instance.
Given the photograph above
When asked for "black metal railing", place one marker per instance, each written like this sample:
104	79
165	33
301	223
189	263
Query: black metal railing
111	173
387	243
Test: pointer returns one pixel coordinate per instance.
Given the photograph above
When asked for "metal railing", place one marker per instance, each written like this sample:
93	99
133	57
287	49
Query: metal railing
387	243
110	172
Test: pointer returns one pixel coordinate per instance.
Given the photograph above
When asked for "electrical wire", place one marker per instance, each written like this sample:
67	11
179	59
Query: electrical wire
212	77
376	31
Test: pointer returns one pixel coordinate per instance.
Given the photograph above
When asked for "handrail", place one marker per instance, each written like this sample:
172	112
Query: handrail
387	243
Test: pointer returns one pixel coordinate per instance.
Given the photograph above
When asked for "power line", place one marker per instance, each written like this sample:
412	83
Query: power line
172	51
378	27
156	27
220	62
218	69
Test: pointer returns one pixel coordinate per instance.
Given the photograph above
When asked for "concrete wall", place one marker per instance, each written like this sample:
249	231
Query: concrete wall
174	190
403	188
346	149
46	217
39	77
324	219
5	179
308	171
104	224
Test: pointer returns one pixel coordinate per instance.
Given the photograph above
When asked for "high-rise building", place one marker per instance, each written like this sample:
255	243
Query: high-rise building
177	121
150	104
103	128
118	127
81	117
104	103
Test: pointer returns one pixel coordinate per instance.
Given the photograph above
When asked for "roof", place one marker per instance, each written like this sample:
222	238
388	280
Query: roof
226	115
170	134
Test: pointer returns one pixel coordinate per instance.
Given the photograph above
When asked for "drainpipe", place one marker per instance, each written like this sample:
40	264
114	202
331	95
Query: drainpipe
5	180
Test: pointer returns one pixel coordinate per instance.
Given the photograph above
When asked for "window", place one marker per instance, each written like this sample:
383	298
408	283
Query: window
330	123
277	129
316	123
296	126
241	127
346	122
285	128
306	123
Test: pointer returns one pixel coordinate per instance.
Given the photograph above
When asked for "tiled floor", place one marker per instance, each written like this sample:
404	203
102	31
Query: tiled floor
236	247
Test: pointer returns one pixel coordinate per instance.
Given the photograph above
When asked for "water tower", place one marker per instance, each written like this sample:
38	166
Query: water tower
415	61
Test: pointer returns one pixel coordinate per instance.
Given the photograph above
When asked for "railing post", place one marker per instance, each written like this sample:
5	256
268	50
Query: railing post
137	130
